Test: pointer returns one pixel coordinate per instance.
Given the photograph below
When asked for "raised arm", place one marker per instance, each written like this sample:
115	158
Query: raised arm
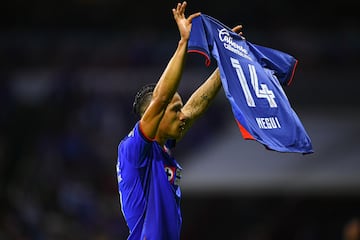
170	79
200	100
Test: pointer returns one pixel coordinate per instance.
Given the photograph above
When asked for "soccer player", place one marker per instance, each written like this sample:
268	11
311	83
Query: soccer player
148	174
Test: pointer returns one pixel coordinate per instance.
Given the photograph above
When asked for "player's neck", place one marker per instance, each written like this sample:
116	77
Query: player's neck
160	140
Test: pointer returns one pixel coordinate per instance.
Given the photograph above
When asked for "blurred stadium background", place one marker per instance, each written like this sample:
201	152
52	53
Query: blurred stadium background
70	69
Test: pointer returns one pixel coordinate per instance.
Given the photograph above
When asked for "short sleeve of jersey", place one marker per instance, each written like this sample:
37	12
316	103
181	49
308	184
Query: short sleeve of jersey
198	40
133	147
281	63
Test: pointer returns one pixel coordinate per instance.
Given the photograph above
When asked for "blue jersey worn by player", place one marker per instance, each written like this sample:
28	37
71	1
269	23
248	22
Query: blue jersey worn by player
148	180
252	76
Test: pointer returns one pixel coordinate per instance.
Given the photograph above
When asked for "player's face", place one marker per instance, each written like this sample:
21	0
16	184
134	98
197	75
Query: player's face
173	121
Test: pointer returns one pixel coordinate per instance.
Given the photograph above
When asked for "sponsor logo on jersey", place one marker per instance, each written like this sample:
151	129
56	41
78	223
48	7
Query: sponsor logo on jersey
229	44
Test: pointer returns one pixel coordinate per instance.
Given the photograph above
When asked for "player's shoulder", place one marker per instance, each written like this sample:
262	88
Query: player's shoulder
134	136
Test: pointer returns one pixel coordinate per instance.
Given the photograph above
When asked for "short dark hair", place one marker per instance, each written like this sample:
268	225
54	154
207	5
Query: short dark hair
143	98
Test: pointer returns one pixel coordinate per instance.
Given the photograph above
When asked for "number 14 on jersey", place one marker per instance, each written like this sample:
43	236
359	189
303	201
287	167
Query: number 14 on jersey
261	91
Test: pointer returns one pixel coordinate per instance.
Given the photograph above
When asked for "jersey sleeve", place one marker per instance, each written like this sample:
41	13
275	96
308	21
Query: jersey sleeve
198	40
283	64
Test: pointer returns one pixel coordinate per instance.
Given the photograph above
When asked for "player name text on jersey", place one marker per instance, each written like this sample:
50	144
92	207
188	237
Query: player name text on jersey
268	122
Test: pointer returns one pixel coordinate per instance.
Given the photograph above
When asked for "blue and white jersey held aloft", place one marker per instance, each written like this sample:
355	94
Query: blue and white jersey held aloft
252	77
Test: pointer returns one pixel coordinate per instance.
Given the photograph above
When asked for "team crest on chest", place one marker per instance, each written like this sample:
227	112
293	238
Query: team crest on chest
173	174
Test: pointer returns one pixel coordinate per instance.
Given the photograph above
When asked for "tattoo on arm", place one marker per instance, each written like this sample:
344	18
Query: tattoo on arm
204	97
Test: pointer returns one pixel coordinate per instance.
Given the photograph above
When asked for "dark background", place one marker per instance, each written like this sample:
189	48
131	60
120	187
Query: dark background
69	72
